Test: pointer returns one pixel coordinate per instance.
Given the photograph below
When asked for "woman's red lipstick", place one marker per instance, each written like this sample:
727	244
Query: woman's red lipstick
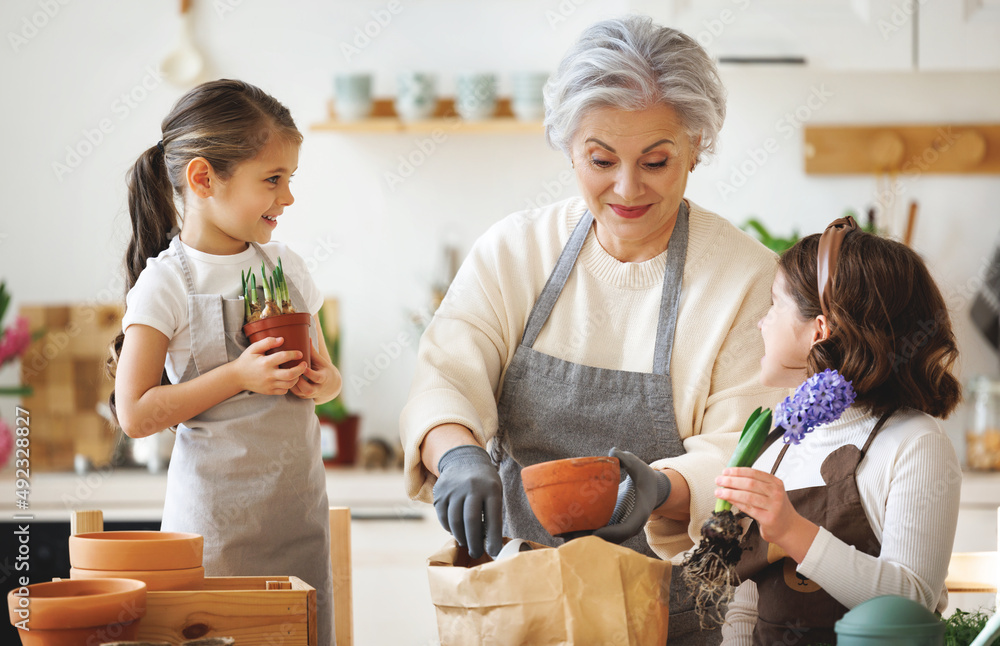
630	212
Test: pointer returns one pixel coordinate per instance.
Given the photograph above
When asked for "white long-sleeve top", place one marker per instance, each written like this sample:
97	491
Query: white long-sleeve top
909	481
605	317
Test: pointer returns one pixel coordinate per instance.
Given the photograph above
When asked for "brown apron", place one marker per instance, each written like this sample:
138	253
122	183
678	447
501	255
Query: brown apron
792	607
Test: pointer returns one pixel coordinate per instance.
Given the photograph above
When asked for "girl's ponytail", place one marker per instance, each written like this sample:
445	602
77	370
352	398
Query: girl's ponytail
153	216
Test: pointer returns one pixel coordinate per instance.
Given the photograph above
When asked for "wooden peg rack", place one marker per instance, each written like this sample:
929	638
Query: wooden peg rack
909	149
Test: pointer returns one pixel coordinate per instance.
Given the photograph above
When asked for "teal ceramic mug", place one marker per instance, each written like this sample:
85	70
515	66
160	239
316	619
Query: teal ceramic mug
352	96
476	96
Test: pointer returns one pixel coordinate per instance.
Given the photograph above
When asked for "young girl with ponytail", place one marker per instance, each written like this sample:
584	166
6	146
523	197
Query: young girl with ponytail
246	471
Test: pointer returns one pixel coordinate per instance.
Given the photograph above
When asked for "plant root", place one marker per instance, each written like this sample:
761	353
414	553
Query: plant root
710	570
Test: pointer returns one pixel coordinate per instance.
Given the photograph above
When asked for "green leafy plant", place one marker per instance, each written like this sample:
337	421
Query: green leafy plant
961	628
335	409
775	243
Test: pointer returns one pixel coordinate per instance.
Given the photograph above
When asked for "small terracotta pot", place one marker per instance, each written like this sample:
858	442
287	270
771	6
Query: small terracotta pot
293	328
572	495
71	613
155	580
136	551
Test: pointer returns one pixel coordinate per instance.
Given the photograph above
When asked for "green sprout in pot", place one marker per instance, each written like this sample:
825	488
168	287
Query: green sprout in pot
277	299
251	307
270	306
284	297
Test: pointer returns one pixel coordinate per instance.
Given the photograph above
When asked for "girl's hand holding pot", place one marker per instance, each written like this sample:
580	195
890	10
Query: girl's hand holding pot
320	381
260	373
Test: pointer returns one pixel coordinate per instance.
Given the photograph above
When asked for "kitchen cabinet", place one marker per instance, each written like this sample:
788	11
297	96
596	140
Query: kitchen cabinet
959	35
863	35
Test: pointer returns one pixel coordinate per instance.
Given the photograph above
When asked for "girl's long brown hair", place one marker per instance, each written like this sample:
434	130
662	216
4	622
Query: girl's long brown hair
226	122
890	332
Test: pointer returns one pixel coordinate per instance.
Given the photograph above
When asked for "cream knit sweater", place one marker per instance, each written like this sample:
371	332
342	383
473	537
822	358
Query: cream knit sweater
606	317
910	481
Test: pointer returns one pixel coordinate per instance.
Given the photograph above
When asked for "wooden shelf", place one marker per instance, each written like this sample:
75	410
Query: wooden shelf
908	149
385	120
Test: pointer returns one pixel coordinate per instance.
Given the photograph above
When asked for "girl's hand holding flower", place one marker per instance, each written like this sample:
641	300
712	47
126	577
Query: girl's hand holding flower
762	496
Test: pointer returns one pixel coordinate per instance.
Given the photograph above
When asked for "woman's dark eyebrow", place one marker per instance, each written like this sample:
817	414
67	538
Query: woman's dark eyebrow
661	141
644	150
601	144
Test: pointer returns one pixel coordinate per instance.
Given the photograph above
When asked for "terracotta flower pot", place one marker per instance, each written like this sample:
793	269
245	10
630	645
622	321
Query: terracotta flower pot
136	551
71	613
572	495
293	328
155	580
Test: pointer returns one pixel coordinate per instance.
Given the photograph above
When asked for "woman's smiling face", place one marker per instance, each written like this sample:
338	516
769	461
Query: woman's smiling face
632	168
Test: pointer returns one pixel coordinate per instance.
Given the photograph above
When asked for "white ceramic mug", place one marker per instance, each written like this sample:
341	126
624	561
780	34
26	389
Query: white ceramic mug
476	96
352	96
527	100
415	96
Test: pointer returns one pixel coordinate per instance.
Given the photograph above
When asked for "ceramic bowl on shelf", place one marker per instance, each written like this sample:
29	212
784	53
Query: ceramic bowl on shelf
70	613
572	495
136	551
155	580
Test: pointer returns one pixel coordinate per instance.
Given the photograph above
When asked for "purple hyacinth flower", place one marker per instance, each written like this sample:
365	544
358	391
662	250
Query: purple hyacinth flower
821	399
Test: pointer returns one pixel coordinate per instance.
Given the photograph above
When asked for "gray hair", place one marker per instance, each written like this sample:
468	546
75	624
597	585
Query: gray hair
632	64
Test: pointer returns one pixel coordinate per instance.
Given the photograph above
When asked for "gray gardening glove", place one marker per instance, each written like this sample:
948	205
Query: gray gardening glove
468	493
643	490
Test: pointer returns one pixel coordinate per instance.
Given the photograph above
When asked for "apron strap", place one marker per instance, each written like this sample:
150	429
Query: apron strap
185	267
864	450
878	427
671	299
557	280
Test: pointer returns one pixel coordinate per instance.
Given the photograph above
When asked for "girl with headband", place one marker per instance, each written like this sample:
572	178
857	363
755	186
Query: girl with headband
866	505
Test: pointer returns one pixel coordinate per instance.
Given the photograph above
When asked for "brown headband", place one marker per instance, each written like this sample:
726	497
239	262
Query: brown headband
826	258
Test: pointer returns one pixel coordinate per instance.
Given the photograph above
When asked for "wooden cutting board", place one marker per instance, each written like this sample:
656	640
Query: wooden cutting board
65	368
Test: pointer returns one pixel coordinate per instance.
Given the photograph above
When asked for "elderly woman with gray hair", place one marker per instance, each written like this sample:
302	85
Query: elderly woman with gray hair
624	320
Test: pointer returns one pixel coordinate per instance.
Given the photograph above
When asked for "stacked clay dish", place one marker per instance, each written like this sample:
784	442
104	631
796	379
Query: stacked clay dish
72	613
163	560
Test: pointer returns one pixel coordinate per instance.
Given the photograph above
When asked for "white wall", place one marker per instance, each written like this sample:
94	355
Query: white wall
378	248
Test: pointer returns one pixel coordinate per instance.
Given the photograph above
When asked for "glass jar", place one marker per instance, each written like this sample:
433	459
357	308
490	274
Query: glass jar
982	434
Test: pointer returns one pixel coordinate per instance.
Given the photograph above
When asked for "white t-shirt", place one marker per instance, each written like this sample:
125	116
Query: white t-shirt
159	297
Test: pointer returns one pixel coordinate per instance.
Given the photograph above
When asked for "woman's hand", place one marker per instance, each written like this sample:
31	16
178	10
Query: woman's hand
762	496
321	381
261	373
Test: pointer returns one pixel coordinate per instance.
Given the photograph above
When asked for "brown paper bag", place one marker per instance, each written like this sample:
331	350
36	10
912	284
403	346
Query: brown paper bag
587	591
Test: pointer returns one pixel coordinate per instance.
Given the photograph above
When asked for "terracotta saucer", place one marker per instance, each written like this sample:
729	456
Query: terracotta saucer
136	550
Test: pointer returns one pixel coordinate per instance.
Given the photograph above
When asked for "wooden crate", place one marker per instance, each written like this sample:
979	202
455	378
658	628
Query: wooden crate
255	611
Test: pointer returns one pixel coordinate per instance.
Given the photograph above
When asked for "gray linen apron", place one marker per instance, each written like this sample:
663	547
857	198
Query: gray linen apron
552	409
247	474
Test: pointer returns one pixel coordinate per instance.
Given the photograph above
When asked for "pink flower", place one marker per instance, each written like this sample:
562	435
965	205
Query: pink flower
15	341
6	442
